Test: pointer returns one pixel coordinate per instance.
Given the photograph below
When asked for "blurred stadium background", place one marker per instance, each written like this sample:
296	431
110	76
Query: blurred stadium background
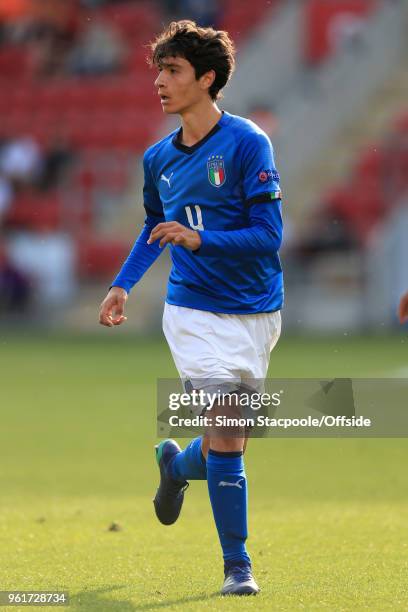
328	80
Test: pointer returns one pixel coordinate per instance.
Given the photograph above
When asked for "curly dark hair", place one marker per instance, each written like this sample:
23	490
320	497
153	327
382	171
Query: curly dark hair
205	48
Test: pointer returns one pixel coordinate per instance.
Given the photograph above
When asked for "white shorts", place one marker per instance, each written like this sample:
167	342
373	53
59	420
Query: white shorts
227	347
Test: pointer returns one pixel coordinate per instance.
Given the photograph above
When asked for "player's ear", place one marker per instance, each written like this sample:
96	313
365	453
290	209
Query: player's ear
207	79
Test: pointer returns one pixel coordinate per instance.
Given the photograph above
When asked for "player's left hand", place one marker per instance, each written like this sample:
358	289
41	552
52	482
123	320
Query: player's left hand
403	309
176	234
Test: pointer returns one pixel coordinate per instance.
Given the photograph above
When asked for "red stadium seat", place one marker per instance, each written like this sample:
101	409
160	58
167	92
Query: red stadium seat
360	205
14	62
133	19
18	123
35	211
100	259
371	163
318	21
240	17
401	123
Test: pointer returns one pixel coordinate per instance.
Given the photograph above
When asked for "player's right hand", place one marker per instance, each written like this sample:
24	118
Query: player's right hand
112	308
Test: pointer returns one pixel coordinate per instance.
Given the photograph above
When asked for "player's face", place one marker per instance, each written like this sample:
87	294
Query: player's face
178	87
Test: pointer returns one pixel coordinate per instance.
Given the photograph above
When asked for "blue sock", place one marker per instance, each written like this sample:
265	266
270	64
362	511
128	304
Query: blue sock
190	464
227	487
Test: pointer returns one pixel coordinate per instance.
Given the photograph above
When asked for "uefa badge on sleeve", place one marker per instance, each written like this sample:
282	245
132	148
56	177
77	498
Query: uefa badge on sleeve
216	170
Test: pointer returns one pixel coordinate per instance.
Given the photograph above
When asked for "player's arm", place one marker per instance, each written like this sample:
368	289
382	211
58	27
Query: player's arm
403	309
176	234
262	201
139	260
263	235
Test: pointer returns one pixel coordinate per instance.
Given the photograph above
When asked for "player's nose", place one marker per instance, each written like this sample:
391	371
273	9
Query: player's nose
159	81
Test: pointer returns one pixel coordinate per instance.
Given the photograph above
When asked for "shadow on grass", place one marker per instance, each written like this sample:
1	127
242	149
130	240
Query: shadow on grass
173	602
94	600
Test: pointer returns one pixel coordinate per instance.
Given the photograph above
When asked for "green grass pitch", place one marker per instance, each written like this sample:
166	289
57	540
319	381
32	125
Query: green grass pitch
328	518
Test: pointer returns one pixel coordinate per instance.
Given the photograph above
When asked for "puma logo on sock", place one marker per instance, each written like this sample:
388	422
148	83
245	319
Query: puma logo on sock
223	483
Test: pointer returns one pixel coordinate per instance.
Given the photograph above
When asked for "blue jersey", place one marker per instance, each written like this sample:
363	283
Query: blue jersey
227	188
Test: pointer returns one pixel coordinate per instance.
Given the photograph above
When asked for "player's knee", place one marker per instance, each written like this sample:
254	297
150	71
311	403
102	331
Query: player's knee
226	445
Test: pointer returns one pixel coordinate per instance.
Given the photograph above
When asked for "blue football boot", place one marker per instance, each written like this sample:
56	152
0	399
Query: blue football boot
170	494
239	581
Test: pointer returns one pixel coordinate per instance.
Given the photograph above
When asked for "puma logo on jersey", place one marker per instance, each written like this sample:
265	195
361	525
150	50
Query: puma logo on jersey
223	483
165	179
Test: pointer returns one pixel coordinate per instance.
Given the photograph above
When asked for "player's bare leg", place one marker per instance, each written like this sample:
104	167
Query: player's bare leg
205	444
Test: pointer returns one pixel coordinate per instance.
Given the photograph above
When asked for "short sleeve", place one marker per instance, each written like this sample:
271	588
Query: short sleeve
151	197
260	177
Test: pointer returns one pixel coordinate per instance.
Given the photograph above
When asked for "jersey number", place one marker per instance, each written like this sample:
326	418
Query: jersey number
199	225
